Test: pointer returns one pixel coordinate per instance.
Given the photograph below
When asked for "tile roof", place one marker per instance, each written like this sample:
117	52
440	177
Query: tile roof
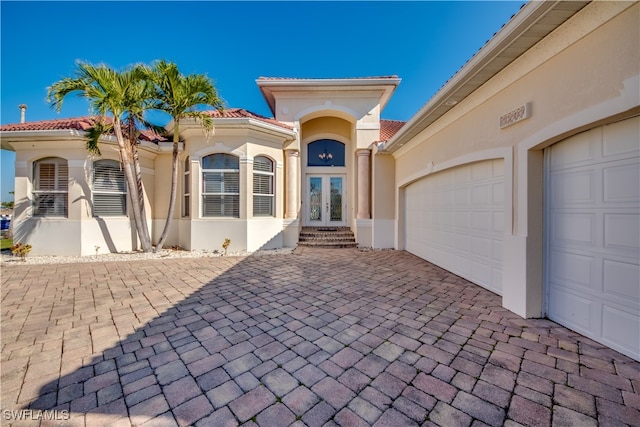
388	128
246	114
75	123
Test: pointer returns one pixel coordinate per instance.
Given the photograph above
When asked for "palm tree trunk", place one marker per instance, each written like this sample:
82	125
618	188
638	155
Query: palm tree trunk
126	156
143	217
174	191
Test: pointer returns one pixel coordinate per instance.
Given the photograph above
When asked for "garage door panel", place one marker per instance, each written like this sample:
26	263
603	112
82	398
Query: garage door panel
621	138
571	269
482	271
498	222
570	308
461	197
616	183
621	279
592	223
461	220
622	232
482	171
481	221
573	188
620	328
480	195
583	150
498	193
573	228
481	247
454	218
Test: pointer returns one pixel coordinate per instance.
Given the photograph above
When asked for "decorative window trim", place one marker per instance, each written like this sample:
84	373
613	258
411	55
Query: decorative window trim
225	202
263	187
112	193
50	196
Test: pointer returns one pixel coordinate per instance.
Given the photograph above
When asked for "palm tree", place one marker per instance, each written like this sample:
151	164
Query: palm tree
119	100
180	96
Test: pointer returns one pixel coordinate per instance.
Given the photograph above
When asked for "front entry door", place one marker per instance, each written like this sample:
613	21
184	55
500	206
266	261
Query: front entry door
325	201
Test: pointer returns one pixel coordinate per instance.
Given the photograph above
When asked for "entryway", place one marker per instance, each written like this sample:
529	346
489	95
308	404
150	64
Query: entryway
326	204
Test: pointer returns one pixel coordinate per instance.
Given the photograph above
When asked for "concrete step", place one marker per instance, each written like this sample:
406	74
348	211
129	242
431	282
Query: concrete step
327	237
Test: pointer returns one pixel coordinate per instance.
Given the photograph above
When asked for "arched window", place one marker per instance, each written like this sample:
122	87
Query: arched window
325	152
50	187
221	185
109	189
263	186
186	188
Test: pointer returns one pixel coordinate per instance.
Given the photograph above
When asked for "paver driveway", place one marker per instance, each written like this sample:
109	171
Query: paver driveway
320	337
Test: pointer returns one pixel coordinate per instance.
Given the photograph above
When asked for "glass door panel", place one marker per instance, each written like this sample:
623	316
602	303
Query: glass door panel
325	201
335	202
315	199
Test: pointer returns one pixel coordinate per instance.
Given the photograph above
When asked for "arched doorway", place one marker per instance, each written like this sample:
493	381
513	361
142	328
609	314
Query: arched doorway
325	184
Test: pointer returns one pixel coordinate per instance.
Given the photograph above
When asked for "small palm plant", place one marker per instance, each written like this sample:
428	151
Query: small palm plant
225	245
21	250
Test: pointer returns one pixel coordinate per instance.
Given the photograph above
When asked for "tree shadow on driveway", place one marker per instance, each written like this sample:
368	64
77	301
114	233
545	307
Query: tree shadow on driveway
349	336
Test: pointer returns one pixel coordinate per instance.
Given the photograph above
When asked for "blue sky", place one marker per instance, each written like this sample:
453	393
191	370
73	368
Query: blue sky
234	43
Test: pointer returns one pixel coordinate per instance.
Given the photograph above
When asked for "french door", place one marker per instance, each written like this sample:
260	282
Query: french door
326	204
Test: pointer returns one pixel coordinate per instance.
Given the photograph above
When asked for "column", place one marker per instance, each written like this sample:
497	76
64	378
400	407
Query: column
291	184
364	184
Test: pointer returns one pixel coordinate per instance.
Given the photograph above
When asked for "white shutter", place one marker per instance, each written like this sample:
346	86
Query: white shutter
263	190
109	189
221	185
50	197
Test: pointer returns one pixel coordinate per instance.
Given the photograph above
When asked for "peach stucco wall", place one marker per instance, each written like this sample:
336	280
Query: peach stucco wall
582	75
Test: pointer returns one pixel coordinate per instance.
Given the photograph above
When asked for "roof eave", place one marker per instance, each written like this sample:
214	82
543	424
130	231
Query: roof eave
6	137
445	99
241	122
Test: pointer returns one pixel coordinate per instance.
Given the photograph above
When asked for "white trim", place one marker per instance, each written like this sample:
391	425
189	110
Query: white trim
327	106
367	126
218	147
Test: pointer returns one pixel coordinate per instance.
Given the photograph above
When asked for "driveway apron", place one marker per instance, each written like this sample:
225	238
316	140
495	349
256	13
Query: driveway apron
318	337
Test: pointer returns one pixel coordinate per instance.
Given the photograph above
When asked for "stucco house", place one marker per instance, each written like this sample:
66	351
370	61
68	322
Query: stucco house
522	174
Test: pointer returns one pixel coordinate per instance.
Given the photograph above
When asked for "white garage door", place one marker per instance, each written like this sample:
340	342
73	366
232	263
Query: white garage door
455	219
593	234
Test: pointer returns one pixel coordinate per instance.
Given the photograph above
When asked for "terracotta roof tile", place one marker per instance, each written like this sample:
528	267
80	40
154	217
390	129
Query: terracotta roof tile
76	123
242	113
388	128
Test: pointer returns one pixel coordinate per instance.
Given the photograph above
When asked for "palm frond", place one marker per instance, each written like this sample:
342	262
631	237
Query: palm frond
94	134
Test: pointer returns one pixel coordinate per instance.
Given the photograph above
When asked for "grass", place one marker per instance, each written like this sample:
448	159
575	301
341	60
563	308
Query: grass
5	244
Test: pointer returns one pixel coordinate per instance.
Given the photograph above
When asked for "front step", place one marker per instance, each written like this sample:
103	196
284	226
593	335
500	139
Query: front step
327	237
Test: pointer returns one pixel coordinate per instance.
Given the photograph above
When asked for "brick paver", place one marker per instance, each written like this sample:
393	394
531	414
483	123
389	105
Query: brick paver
315	338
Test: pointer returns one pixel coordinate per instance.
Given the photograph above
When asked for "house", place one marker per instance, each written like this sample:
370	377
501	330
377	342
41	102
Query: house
522	174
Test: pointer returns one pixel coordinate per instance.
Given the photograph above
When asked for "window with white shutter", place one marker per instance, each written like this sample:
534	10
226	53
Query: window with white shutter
263	186
109	189
51	187
221	185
